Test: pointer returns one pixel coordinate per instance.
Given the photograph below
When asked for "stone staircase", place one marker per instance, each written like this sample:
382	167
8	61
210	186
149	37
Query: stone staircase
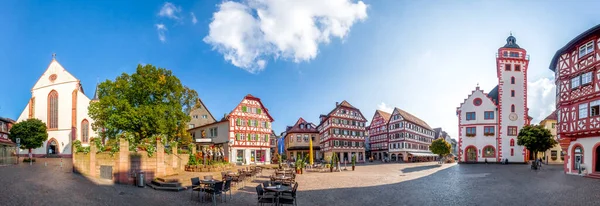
166	184
593	175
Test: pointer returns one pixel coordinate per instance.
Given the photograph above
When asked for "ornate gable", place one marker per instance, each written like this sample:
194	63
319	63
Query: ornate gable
483	100
54	74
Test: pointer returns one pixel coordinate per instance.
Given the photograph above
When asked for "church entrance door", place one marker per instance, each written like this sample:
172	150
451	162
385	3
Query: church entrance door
52	147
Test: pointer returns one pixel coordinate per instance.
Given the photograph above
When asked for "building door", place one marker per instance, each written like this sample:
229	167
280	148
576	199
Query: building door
471	154
240	156
51	148
578	158
597	159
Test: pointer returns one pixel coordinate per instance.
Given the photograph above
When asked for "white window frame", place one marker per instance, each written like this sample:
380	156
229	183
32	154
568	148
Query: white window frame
595	104
586	49
586	78
575	82
583	111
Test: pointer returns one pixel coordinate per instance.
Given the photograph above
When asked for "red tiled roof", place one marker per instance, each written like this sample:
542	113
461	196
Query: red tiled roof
552	116
411	118
386	116
296	128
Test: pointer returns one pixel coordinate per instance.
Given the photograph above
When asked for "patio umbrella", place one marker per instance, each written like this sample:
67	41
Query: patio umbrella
310	153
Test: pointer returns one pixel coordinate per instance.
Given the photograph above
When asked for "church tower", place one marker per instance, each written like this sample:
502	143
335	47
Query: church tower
512	62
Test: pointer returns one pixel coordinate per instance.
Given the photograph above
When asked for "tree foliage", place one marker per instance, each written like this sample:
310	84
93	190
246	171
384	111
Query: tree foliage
440	147
32	133
536	138
152	101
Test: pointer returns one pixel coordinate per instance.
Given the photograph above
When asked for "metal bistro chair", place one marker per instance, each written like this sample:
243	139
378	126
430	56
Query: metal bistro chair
262	197
227	188
289	200
195	186
217	189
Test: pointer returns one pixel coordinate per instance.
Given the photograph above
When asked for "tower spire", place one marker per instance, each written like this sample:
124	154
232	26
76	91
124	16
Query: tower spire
53	56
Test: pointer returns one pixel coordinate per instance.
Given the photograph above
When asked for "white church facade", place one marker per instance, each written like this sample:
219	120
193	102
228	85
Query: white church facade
489	123
58	100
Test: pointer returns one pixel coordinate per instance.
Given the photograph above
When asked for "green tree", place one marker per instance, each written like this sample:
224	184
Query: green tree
32	133
440	147
152	101
535	138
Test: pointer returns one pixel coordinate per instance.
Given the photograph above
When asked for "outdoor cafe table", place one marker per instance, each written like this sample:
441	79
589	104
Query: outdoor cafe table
278	190
211	183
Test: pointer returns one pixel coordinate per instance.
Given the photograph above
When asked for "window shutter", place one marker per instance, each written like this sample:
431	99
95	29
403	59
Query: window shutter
248	137
244	109
249	122
239	122
258	110
237	137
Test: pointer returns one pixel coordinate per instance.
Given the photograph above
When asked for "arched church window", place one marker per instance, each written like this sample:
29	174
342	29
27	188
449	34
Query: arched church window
512	108
85	131
512	80
53	110
512	142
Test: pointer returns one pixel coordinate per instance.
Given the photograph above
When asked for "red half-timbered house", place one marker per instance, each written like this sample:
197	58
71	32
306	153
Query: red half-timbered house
342	131
577	74
378	135
249	132
409	138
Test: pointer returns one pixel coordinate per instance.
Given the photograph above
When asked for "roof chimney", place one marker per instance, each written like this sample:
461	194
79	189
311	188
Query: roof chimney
337	103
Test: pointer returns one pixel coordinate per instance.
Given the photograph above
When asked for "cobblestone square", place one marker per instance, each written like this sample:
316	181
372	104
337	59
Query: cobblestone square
371	184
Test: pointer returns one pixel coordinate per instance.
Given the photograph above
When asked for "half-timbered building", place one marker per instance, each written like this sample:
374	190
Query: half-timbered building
577	74
342	131
378	135
409	138
250	131
488	123
298	137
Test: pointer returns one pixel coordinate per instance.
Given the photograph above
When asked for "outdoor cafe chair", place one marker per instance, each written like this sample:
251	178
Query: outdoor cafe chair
287	199
263	197
196	186
227	188
216	189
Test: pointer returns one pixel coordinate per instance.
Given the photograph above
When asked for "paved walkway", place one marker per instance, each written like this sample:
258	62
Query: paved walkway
372	184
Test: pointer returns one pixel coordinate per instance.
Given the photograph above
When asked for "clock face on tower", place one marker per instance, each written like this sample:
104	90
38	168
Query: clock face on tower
513	116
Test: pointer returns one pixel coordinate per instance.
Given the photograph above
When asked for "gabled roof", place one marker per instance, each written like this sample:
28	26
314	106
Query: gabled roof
249	96
411	118
62	75
552	116
9	120
386	116
572	43
492	96
296	128
199	101
346	104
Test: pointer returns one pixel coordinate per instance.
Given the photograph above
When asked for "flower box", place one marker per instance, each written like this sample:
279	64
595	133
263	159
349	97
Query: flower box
470	135
488	134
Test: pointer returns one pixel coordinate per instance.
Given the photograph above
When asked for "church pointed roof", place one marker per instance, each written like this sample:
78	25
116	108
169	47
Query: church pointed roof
55	74
96	94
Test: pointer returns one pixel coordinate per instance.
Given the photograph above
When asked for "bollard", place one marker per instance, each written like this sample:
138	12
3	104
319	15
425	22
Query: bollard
45	161
60	162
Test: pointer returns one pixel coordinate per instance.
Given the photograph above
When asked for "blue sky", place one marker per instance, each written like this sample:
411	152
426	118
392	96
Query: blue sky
422	56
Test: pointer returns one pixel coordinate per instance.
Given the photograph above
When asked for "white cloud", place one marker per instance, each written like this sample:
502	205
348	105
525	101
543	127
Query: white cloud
248	33
541	95
161	29
169	10
194	20
384	107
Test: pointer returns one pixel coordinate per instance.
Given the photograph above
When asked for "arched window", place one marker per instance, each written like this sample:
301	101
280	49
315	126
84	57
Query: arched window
512	108
53	110
512	152
85	131
512	80
512	142
489	151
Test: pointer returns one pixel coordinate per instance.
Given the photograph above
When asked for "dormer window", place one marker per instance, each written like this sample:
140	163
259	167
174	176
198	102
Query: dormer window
586	49
301	126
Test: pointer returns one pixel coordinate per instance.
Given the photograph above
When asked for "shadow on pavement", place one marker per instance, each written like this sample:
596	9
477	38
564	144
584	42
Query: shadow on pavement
420	168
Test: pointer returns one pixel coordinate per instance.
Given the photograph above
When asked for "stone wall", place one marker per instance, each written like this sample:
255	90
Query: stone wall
127	165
